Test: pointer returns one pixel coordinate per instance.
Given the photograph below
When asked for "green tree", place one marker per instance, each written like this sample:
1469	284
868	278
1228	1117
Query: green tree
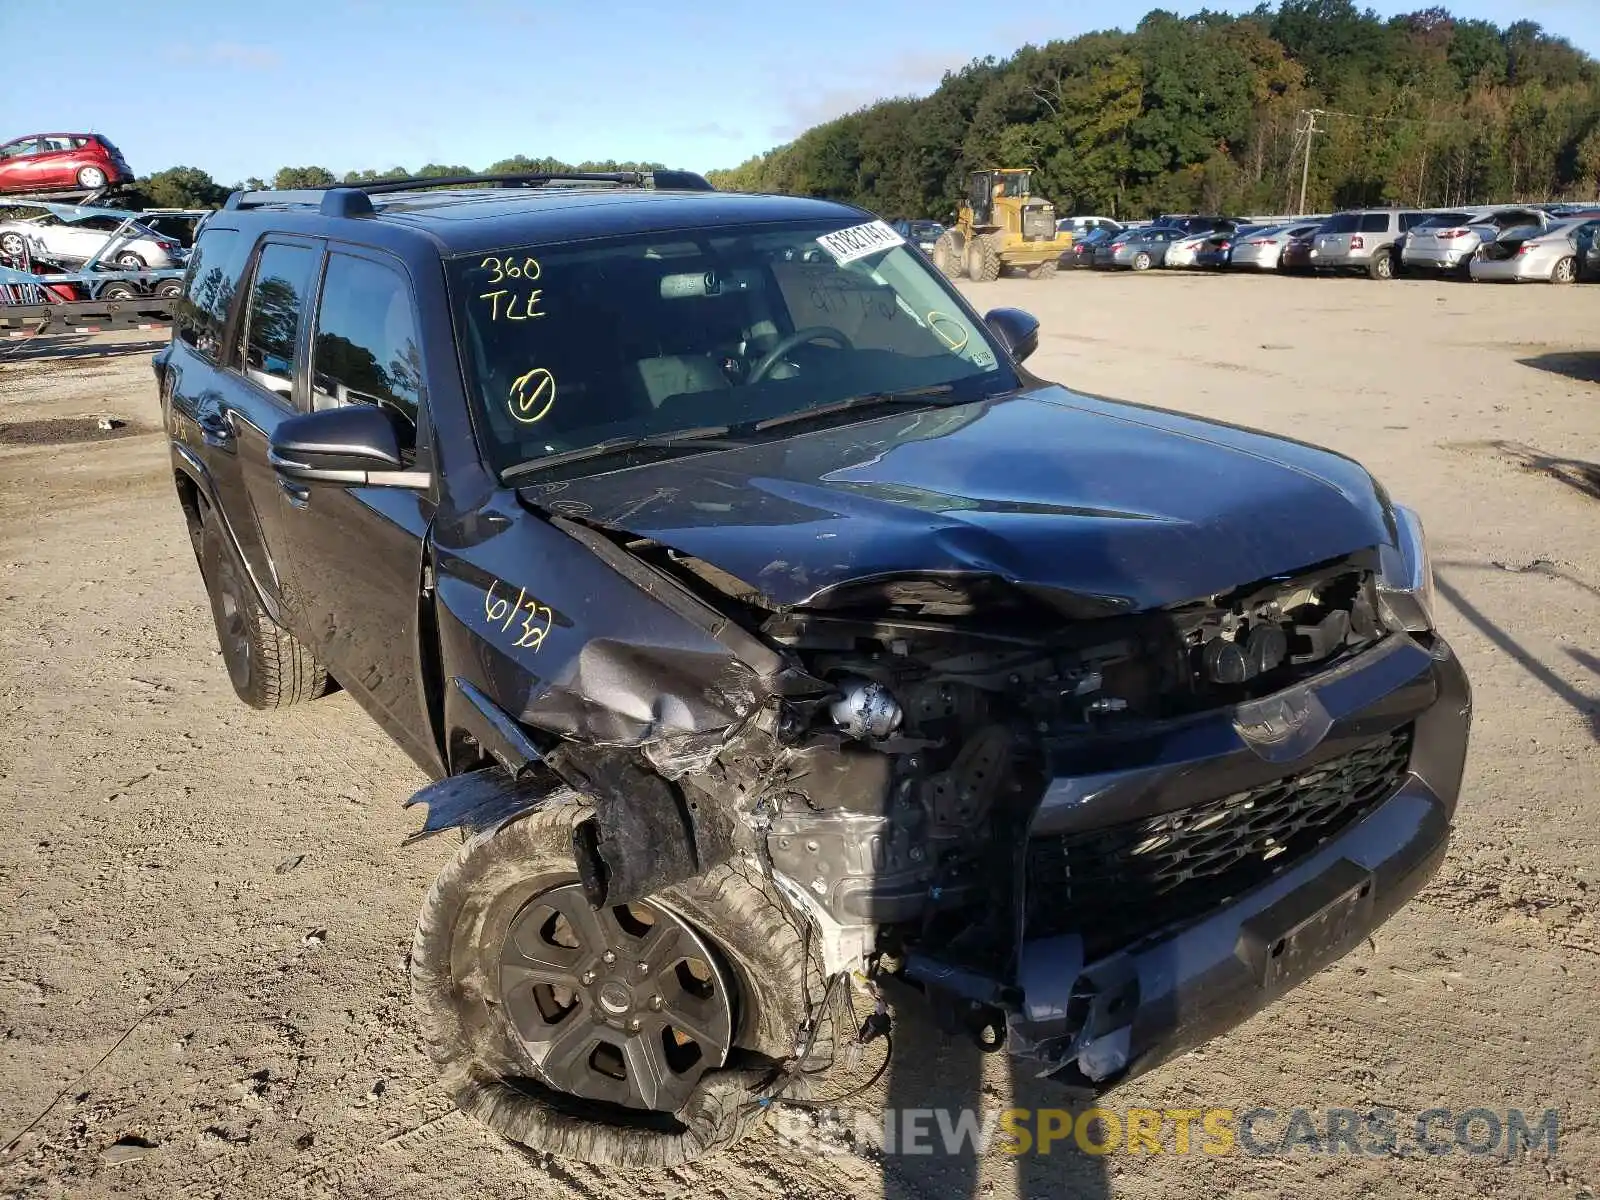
289	178
182	187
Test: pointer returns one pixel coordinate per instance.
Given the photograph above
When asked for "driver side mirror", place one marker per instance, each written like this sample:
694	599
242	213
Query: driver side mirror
1017	330
356	445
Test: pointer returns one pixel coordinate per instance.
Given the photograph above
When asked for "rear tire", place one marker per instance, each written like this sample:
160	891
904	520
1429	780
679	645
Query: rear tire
1382	265
11	245
1565	271
947	254
267	665
119	291
1045	269
129	261
91	178
1142	261
983	262
168	288
468	1027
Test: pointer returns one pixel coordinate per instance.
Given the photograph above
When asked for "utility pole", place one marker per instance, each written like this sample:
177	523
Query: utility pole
1311	115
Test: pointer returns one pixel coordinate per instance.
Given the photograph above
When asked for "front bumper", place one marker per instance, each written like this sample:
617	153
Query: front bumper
1094	1022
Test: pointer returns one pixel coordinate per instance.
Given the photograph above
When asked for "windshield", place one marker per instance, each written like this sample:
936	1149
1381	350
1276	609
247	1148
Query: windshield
651	334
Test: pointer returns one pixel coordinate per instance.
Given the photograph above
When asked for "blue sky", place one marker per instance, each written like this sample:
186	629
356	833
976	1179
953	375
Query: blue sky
242	87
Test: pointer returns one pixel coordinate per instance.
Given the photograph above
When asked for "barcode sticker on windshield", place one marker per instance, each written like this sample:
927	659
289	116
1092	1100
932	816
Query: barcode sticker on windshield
847	245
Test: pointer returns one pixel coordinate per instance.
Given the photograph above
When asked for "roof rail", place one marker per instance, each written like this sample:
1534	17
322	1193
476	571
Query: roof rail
350	199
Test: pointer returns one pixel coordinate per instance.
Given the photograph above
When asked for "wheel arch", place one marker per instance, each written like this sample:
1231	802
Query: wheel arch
197	496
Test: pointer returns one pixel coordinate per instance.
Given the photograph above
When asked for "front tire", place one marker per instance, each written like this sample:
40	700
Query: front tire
491	1009
11	245
983	261
267	665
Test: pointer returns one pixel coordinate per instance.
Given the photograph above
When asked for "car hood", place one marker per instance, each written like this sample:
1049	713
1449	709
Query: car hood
1115	506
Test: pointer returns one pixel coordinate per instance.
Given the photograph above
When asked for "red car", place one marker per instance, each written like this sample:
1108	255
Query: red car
47	162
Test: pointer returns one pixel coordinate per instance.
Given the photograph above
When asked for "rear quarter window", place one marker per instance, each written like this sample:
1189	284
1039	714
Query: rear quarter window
1343	223
209	286
1374	222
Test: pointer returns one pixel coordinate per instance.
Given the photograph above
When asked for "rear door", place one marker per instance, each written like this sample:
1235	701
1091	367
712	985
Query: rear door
1333	238
352	557
258	391
57	163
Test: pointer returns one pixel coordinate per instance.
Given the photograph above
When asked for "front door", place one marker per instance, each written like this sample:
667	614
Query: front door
353	557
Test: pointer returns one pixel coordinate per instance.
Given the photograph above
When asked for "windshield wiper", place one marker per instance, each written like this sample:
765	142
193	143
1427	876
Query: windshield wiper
710	437
912	396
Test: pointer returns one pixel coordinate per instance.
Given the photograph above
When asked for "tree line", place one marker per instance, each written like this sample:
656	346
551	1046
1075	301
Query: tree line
1208	113
190	187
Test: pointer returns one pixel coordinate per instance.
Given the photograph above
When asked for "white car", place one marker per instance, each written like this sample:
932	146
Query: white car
1550	254
1181	253
1262	249
1448	241
73	242
1079	226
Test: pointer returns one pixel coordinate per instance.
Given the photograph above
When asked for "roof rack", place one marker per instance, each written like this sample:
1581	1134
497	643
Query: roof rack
351	199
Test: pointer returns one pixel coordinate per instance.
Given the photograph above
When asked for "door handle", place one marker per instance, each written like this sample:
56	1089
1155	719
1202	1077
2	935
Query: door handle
299	495
216	429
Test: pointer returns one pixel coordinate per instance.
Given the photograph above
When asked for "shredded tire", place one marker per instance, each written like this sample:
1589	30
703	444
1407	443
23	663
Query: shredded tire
458	935
268	666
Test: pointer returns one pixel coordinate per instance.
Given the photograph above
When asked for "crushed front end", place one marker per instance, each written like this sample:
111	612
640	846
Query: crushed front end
1101	839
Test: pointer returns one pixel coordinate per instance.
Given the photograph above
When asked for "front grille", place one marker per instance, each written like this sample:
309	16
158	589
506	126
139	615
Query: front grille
1115	885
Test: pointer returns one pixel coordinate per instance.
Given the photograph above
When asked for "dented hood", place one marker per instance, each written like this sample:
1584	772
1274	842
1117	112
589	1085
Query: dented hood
1123	506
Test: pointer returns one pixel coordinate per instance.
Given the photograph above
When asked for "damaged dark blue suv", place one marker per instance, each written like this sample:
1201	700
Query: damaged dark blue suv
770	633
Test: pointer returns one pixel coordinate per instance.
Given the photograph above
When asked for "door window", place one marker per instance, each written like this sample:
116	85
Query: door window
209	286
284	274
367	348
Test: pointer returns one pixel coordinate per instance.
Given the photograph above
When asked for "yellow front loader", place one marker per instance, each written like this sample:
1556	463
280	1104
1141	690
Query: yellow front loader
1001	224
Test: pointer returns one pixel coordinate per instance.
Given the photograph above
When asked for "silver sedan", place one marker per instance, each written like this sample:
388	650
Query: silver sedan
1529	253
1261	250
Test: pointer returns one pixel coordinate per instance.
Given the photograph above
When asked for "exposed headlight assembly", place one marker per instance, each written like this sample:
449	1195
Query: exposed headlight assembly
1405	576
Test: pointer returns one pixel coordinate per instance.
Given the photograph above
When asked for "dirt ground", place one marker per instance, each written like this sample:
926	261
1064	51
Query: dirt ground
204	909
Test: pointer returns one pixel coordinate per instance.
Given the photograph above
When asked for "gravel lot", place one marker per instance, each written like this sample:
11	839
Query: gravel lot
204	909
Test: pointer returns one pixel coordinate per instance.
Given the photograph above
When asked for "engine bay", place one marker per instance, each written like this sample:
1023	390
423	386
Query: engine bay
894	807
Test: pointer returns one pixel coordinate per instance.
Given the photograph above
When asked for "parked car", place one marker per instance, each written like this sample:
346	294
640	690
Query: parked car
1263	249
922	233
1554	253
1297	255
1448	241
1185	247
1216	251
44	162
1081	252
1080	227
1363	240
756	656
1136	249
76	240
1197	224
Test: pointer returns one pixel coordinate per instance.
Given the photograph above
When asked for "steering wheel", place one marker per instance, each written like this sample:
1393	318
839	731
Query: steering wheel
811	333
